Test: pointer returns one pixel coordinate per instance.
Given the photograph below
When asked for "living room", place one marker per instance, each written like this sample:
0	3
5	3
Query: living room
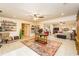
38	29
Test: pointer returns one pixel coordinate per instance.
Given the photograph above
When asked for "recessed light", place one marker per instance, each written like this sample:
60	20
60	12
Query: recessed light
62	14
14	16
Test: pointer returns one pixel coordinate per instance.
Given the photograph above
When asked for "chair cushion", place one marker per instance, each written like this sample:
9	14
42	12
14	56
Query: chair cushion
16	37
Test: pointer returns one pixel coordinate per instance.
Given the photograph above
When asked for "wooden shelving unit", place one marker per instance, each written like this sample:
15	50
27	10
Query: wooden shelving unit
8	25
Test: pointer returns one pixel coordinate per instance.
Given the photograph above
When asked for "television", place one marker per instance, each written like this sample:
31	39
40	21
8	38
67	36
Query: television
55	30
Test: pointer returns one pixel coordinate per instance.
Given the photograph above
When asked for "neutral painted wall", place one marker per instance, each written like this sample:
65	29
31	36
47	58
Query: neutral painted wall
70	22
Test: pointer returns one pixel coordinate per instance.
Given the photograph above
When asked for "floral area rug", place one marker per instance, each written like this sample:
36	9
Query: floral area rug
48	49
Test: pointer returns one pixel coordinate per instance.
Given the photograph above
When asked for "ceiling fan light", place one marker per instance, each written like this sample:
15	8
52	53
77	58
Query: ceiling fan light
35	19
0	11
62	14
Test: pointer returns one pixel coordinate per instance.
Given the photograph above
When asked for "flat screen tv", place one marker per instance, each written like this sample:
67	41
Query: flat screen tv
56	29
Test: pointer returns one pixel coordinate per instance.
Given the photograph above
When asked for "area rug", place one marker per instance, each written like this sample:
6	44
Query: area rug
48	49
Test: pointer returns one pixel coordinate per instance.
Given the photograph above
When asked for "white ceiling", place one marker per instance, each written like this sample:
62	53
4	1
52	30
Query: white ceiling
25	11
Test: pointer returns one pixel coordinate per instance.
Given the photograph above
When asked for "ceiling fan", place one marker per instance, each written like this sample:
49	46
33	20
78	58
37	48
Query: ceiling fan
0	11
38	16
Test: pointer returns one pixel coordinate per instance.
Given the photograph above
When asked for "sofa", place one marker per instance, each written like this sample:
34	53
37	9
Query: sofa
64	35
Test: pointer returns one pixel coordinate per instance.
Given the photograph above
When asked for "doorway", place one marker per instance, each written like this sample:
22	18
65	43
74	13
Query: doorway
25	30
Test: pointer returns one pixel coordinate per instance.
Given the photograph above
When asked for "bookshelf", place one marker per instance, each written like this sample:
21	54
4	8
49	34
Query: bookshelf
7	25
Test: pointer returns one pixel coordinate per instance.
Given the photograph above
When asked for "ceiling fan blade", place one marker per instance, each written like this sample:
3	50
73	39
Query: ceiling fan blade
35	15
38	16
41	16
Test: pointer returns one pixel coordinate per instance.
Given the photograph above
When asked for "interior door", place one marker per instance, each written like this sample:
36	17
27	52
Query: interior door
26	30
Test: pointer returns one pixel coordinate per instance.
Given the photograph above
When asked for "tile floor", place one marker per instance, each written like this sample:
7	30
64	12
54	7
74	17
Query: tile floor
67	48
18	49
